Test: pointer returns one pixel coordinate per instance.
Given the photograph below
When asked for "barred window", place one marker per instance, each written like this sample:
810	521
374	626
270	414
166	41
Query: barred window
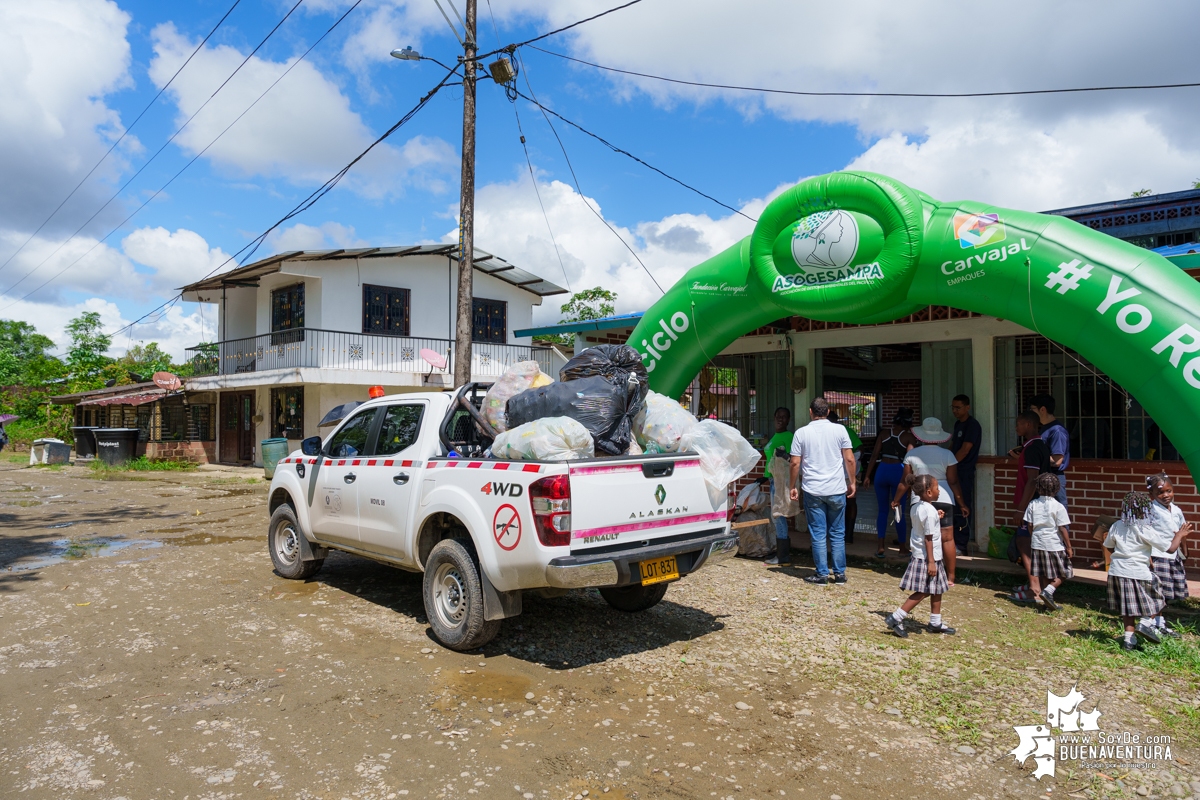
1104	420
490	321
385	310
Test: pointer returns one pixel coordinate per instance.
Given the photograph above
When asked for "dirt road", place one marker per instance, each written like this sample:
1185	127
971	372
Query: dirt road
148	650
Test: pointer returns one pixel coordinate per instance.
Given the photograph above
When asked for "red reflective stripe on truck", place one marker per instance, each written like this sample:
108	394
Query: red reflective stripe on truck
388	462
606	468
328	463
502	465
650	523
371	463
475	465
531	468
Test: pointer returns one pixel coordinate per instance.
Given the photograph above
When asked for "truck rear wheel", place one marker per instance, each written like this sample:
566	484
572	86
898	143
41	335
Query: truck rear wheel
283	542
453	593
634	598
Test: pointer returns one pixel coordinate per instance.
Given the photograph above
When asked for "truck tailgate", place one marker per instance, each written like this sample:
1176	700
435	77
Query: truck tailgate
638	499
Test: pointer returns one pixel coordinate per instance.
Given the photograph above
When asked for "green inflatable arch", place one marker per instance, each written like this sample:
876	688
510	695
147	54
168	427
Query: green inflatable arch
859	247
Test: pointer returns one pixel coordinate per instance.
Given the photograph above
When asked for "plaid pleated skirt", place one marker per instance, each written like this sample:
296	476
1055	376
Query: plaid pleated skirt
1171	577
1133	598
917	578
1051	565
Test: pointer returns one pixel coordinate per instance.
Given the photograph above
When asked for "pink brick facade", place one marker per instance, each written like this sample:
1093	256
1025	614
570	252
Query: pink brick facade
195	452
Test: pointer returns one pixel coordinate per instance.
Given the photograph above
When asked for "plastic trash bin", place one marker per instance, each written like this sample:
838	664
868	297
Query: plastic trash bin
116	446
49	451
85	441
272	451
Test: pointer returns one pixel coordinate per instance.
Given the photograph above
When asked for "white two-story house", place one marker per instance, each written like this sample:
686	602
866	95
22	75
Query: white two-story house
302	332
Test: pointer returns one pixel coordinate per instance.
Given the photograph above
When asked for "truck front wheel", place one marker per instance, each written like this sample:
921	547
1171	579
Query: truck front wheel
453	593
283	540
634	598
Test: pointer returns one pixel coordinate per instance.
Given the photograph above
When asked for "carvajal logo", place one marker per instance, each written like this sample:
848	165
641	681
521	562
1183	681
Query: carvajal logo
1038	740
977	230
660	494
825	240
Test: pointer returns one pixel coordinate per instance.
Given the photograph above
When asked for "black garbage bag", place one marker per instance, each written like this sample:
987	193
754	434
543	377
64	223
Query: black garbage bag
614	362
598	405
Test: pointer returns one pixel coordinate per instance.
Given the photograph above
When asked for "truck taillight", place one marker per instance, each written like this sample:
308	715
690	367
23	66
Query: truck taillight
550	499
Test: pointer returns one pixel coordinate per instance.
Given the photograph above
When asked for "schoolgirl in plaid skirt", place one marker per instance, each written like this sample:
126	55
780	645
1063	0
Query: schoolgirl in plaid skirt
1133	588
1167	518
1050	558
925	576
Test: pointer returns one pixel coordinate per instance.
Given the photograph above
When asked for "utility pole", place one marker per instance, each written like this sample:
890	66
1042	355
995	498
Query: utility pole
464	321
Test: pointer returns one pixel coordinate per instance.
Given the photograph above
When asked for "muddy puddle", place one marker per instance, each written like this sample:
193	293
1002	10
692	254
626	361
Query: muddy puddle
194	539
21	503
67	550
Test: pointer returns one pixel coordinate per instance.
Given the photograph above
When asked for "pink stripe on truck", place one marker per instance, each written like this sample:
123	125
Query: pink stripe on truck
657	522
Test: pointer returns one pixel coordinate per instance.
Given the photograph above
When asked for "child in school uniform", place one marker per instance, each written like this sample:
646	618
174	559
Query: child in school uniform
925	576
1133	588
1050	563
1167	519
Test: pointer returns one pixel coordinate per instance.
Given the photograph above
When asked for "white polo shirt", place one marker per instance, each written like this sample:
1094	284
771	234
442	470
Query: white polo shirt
819	445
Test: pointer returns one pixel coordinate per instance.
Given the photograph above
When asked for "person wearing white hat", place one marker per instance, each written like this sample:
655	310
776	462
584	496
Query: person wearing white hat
930	458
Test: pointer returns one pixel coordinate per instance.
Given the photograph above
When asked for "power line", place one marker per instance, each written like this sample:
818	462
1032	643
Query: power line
538	192
616	149
157	153
1012	93
556	31
177	174
122	136
304	204
575	177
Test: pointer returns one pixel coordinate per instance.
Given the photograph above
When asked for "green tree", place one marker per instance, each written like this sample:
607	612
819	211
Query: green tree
1141	193
86	355
1196	184
584	305
146	359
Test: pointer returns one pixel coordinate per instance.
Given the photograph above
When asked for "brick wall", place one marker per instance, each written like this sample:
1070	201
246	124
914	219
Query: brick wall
903	393
195	452
1096	486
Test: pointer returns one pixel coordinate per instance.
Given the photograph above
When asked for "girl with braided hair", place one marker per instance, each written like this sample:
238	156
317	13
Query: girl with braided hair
1050	563
1167	519
1133	588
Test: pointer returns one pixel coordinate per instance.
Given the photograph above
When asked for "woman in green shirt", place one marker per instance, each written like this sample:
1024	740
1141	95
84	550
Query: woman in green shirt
782	440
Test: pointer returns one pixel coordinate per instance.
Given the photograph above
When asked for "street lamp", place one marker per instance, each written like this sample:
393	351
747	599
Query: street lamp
407	54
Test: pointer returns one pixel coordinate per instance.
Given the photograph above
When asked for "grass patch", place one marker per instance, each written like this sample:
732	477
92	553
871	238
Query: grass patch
229	481
142	464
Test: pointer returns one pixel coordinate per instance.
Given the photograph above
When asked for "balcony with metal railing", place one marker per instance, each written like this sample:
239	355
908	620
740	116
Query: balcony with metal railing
340	350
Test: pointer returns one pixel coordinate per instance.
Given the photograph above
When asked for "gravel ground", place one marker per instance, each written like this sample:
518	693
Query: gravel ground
182	666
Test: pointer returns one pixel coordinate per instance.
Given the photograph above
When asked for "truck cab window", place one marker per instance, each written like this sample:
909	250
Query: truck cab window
401	425
351	440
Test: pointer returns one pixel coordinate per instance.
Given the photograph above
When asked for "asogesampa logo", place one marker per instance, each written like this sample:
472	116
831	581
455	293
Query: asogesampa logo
1081	741
977	230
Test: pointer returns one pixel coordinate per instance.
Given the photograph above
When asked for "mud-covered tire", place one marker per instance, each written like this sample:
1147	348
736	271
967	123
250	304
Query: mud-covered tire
634	598
453	594
283	542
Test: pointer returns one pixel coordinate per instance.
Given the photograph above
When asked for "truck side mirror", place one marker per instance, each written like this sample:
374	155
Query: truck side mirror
311	446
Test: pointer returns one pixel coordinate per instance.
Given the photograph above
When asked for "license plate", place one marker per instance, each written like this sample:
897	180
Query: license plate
658	570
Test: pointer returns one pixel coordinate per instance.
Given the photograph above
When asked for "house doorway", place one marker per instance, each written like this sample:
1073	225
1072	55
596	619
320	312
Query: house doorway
237	427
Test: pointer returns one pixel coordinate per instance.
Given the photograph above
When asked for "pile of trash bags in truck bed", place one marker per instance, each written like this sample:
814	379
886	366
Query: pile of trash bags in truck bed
602	406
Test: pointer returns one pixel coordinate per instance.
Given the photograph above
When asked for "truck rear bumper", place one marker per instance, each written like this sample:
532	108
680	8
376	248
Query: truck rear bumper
620	567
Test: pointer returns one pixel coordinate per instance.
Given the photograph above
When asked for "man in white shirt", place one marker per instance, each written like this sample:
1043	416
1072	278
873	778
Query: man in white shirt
821	459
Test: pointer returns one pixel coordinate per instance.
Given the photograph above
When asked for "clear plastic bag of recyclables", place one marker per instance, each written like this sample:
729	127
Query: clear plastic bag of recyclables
600	406
724	456
516	379
662	424
551	439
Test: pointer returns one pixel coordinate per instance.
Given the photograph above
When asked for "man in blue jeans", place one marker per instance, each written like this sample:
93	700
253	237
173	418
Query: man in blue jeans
821	459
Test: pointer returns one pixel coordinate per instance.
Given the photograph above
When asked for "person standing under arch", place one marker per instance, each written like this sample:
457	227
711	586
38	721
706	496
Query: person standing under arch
889	454
821	460
967	437
933	459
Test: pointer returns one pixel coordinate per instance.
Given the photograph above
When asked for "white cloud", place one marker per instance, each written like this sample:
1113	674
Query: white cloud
58	59
310	237
82	265
509	223
175	258
303	130
989	149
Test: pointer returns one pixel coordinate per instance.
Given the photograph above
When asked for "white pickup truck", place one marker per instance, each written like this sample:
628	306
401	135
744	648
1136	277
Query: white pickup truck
385	486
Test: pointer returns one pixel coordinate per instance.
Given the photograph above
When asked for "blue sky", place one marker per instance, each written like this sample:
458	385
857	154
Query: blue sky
75	73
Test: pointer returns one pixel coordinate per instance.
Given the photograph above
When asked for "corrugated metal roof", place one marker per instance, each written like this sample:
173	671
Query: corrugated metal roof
602	324
484	262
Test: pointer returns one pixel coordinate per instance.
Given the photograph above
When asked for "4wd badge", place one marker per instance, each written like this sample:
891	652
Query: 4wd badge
660	494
